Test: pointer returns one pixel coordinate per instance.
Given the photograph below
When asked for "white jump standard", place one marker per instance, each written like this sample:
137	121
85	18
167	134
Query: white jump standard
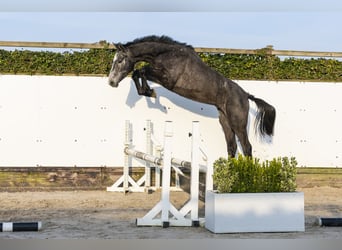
126	183
164	213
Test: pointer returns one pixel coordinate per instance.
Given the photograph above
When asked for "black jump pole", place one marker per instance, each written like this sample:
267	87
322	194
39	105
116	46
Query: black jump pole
20	226
330	222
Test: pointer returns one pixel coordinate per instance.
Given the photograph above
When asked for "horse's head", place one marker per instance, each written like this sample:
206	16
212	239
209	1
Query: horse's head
122	65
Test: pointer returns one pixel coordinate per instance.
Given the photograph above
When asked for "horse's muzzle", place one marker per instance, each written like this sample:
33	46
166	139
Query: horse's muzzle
113	83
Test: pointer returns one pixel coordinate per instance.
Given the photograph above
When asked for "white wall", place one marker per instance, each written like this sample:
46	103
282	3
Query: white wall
308	123
67	121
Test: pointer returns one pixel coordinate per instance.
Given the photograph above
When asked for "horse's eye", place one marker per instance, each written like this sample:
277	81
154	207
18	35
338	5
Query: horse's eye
120	59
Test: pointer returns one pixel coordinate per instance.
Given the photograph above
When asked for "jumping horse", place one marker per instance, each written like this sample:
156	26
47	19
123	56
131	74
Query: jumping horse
177	67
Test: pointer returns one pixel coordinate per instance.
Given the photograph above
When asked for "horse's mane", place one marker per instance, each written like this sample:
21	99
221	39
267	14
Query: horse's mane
157	39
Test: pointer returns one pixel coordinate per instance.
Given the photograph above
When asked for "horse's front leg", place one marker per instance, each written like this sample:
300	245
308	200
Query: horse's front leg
143	88
136	76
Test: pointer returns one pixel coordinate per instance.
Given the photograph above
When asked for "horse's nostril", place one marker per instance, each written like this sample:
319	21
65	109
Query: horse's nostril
112	83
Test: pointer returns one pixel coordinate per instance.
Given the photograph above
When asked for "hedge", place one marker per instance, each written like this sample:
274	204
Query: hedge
266	67
89	62
248	175
233	66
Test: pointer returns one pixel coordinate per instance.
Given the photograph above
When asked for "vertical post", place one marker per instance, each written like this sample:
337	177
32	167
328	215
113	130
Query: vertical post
148	151
166	181
128	142
157	174
270	60
194	180
209	184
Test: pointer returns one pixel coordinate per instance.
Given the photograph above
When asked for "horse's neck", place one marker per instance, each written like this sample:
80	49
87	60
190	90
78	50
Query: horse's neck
149	50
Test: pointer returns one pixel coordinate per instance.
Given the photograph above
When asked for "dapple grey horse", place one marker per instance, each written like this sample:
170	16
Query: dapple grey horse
177	67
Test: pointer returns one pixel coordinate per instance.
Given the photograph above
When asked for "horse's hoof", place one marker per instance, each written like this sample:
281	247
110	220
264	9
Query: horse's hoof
153	94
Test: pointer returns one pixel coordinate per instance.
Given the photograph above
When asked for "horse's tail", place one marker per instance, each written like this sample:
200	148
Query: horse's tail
265	117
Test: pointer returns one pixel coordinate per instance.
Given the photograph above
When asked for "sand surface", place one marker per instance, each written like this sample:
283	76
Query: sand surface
109	215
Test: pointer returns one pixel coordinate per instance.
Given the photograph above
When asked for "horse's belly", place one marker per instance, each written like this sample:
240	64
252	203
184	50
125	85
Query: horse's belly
196	94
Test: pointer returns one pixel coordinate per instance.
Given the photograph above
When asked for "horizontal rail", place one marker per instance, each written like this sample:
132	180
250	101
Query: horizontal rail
59	45
181	163
305	53
104	45
227	51
143	156
270	51
155	160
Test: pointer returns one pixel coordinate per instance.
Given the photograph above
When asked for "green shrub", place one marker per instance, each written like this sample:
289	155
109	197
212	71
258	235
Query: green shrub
249	175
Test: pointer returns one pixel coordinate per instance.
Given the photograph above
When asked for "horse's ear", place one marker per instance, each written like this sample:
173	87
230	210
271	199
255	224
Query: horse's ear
120	47
117	46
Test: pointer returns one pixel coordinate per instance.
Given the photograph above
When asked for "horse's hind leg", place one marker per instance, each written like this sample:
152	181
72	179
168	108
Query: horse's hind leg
239	125
229	134
245	144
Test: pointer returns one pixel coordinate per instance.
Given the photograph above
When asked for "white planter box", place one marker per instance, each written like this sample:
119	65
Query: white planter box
254	212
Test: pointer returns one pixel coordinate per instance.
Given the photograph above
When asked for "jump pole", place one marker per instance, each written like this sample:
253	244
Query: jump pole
330	222
20	226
